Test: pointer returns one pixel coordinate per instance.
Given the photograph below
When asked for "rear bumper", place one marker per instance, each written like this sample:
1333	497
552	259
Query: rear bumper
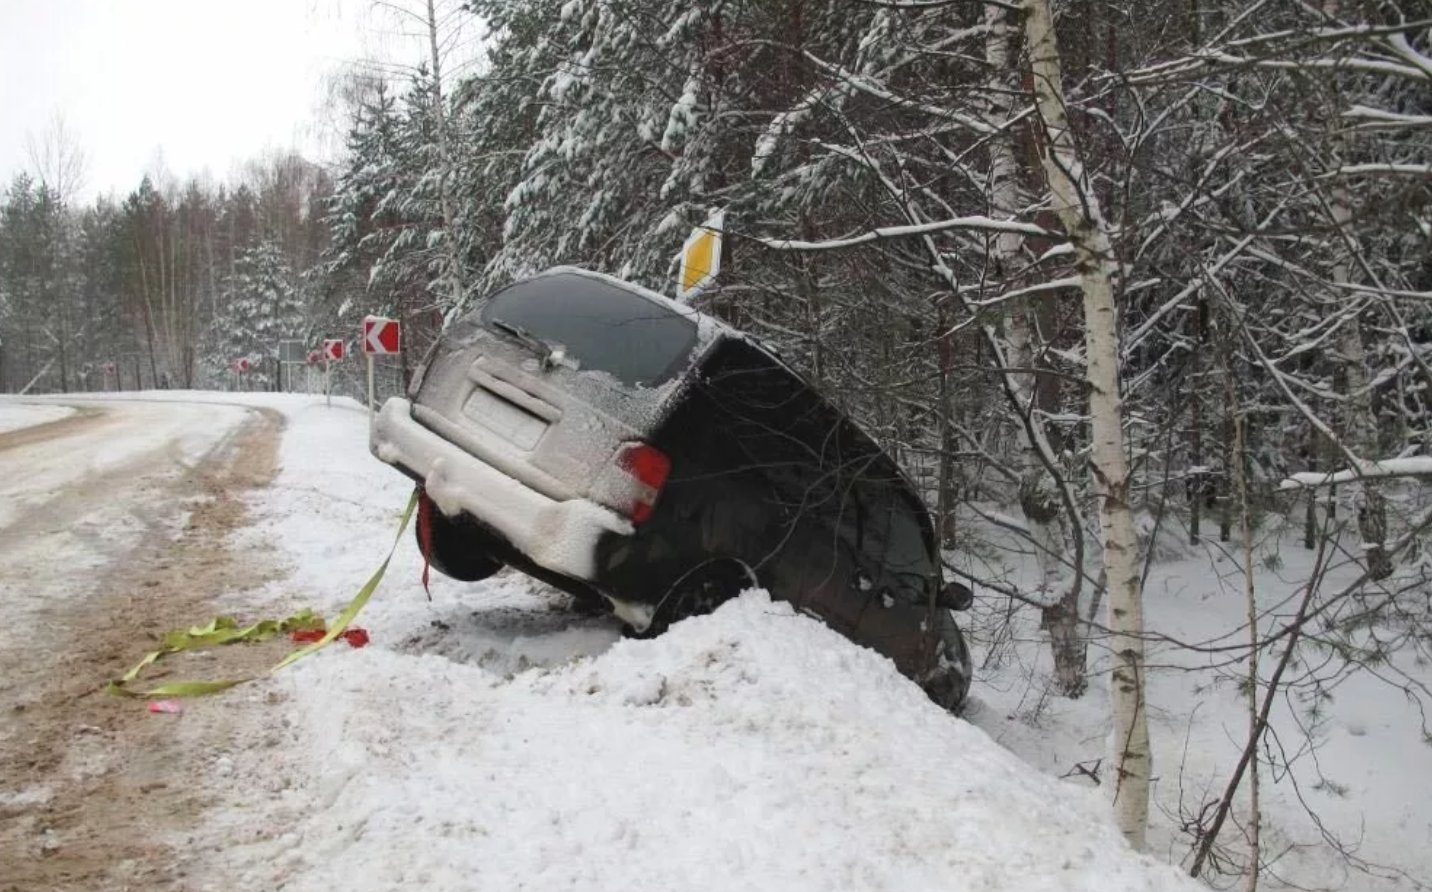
560	536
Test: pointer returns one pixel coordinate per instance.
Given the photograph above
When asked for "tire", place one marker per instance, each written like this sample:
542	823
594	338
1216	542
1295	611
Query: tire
699	591
457	545
948	683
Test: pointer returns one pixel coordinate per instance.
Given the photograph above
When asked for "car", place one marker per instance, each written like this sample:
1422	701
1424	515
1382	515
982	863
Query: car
651	460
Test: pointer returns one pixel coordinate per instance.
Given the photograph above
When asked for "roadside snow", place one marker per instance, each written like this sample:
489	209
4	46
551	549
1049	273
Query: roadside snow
490	740
753	749
16	415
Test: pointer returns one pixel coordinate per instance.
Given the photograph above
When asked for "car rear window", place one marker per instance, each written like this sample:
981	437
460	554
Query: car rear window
604	327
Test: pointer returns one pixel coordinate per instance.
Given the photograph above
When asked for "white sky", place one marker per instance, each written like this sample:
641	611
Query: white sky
201	84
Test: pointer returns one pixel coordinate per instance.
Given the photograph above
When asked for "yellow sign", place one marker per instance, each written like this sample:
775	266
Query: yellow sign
701	257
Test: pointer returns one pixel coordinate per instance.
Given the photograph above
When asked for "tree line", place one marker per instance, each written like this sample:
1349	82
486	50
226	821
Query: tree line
165	287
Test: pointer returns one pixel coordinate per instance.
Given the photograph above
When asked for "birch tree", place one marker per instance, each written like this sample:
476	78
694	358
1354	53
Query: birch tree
1078	208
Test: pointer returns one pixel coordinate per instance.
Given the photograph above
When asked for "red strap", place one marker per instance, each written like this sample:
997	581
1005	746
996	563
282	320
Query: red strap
425	535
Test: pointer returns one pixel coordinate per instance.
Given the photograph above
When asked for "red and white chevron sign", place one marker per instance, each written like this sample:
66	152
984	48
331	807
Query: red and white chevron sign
381	336
333	349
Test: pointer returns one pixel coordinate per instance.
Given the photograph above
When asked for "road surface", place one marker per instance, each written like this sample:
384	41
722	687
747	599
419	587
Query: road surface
113	528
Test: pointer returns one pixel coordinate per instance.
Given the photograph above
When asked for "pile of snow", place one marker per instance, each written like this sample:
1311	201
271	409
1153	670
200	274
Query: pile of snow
489	739
754	748
16	415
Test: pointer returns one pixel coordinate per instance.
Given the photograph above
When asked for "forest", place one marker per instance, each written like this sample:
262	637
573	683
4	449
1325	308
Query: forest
1107	278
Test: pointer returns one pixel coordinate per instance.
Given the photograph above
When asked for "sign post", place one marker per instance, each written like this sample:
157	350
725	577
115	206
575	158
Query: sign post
240	366
314	358
290	354
701	257
333	351
381	337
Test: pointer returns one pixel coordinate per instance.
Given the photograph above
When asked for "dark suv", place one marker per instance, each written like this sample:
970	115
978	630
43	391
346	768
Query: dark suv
638	454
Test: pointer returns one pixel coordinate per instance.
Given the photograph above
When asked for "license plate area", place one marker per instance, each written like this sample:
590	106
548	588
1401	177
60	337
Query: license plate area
504	418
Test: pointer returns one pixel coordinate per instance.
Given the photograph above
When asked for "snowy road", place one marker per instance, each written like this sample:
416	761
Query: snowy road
486	739
16	415
112	523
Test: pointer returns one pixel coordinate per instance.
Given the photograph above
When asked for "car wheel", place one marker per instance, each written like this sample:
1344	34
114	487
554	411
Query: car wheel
454	546
948	682
697	592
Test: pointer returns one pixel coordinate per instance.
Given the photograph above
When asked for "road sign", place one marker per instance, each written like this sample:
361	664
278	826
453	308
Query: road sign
701	257
315	357
290	351
380	335
242	364
333	349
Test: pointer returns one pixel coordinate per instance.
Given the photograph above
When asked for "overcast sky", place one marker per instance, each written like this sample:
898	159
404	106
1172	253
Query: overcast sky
202	84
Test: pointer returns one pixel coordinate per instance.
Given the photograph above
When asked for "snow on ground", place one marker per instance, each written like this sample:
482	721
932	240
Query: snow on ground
16	415
1361	766
489	739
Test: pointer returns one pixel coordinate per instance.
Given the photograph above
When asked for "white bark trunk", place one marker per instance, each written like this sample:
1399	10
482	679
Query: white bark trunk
1253	826
1078	208
1038	498
1359	423
450	243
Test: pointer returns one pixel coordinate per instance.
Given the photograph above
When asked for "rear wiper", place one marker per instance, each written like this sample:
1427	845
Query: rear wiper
525	336
552	354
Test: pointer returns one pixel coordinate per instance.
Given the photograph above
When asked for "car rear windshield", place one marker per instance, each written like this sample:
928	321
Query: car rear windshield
604	327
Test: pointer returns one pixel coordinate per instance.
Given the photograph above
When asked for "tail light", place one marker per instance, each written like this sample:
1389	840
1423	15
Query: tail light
647	468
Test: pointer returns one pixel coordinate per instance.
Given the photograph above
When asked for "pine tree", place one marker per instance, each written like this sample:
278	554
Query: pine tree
260	304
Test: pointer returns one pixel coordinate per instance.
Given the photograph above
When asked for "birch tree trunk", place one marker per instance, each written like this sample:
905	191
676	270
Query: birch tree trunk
456	277
1078	208
1038	497
1359	422
147	310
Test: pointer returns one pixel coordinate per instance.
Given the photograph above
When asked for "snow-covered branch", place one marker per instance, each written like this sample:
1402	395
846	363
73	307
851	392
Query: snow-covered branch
1410	170
915	229
1414	466
1379	118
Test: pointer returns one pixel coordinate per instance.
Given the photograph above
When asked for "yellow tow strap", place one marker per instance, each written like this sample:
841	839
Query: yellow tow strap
225	630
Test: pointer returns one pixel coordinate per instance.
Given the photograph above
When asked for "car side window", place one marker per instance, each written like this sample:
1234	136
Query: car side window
888	536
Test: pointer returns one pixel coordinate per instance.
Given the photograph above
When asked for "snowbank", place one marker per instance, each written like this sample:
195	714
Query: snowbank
751	749
489	740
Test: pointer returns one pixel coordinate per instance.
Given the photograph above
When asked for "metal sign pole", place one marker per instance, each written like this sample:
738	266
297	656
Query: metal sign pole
370	387
327	382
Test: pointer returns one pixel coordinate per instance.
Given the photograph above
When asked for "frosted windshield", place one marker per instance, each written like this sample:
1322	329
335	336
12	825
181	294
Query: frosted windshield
604	327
